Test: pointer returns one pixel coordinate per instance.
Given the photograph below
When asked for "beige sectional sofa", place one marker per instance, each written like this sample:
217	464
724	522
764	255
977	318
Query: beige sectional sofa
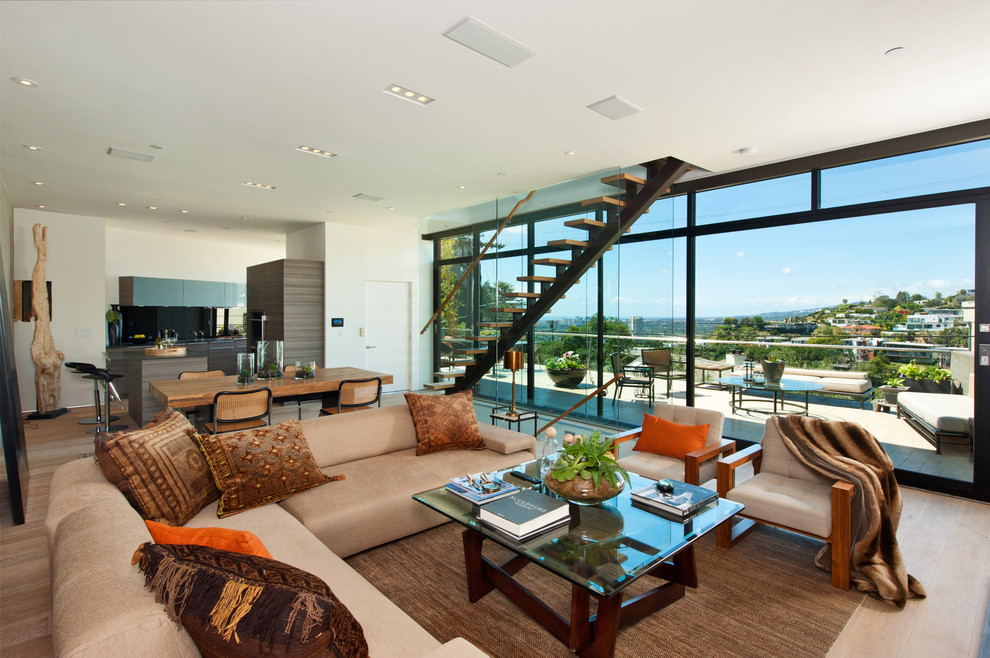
101	608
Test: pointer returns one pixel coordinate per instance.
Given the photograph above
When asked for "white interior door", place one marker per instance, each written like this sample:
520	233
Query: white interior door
388	333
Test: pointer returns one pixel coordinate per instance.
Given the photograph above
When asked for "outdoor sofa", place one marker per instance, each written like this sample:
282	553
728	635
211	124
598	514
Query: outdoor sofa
939	415
101	607
850	384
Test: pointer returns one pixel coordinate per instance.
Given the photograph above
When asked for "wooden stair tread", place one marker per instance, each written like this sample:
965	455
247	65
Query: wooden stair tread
585	223
510	309
495	325
471	351
550	261
481	339
598	200
436	386
450	373
537	279
456	363
623	177
581	244
528	295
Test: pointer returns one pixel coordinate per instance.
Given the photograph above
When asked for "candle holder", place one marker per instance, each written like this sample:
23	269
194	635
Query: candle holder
747	370
513	360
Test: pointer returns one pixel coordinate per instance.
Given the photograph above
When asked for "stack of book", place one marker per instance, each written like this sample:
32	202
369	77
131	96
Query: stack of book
525	514
684	501
480	491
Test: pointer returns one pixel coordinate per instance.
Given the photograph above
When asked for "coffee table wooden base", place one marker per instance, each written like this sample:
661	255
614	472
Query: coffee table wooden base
590	636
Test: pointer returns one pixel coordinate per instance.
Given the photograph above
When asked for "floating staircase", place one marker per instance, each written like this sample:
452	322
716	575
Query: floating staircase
636	196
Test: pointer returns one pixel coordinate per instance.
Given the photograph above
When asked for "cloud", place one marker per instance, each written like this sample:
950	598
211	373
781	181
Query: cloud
740	254
787	270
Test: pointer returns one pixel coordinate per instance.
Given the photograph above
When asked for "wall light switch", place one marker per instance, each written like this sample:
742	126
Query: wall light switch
984	328
985	355
361	330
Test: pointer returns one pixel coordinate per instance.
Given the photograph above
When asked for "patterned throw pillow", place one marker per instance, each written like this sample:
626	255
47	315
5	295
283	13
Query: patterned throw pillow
159	468
444	422
261	466
244	605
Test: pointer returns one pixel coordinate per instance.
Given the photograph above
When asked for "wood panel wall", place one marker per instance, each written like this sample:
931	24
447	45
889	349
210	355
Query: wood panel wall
291	294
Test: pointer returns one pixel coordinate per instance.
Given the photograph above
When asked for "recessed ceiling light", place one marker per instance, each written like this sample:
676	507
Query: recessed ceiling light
746	150
32	147
24	82
462	187
261	185
391	208
152	207
571	153
368	197
190	230
184	212
489	42
408	94
245	219
36	182
39	206
121	204
131	155
615	107
500	174
895	51
315	151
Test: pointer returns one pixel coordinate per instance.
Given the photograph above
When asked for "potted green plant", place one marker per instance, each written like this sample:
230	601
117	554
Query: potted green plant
773	370
113	326
586	472
926	379
567	370
891	388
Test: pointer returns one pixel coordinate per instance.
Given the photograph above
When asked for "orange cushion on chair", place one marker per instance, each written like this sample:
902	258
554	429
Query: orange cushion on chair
236	541
662	437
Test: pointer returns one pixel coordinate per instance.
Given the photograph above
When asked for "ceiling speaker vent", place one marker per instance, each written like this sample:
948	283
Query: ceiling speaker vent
368	197
615	107
131	155
489	42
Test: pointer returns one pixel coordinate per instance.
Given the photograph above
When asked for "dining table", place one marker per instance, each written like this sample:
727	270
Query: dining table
190	393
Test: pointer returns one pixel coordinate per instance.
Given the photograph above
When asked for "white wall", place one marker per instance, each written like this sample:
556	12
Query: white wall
134	253
75	268
354	255
307	244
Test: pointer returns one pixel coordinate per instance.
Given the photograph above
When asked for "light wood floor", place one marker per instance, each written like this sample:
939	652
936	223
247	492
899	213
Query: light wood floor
945	542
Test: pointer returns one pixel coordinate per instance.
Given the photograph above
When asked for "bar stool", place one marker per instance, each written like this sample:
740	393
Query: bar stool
104	375
90	371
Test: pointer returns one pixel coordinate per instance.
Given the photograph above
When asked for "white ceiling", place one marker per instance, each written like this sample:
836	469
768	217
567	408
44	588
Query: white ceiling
230	89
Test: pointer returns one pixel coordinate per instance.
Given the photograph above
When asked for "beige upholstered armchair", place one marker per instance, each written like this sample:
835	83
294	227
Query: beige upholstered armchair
787	494
698	466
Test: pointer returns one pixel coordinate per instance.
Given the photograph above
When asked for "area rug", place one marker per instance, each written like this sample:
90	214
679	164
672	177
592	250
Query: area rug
764	597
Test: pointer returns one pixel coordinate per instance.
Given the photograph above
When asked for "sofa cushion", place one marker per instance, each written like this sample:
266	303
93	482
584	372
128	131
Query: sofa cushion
657	467
943	411
837	374
237	541
444	422
845	385
381	430
244	605
159	468
662	437
261	466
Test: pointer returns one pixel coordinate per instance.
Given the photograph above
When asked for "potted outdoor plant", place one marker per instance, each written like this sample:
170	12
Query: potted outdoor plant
926	379
891	388
567	370
586	472
773	370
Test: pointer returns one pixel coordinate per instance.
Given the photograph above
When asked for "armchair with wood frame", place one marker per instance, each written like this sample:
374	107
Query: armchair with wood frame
698	465
787	494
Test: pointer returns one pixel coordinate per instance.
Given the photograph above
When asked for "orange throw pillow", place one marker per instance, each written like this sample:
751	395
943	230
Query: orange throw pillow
662	437
235	541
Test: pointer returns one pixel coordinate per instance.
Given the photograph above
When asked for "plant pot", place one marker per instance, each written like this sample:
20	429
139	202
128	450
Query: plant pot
890	393
932	386
582	491
773	371
569	378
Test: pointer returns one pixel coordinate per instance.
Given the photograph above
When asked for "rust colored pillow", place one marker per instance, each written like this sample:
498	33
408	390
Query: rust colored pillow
662	437
236	605
256	467
159	468
236	541
444	422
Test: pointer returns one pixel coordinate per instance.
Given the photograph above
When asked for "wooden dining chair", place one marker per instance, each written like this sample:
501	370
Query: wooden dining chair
197	374
356	395
240	410
203	411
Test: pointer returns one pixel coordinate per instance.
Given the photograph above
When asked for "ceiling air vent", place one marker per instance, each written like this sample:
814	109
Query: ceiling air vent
131	155
615	107
368	197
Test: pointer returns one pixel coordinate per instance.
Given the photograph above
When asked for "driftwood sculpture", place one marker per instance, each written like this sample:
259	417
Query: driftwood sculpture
47	360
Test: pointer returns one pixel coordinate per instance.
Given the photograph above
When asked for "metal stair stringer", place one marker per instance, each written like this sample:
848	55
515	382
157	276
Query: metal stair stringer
656	185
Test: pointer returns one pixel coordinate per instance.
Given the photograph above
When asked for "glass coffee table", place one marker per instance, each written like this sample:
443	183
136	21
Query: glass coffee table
738	385
601	551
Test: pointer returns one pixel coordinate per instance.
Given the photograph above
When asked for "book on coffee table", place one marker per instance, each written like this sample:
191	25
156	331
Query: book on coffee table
473	489
524	512
684	500
554	529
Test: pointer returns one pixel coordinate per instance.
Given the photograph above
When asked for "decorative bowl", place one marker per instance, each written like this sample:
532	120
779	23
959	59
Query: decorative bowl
583	492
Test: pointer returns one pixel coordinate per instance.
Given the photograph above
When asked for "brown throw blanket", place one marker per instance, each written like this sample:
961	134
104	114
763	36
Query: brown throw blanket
845	451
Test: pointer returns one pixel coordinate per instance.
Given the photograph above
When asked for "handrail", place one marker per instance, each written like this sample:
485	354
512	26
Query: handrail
582	401
477	260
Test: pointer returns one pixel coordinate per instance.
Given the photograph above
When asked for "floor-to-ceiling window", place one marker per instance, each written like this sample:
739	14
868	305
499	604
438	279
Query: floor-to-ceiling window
858	267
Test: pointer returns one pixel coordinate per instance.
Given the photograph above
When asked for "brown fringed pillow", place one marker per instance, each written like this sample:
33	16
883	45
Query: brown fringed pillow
444	422
245	605
159	468
261	466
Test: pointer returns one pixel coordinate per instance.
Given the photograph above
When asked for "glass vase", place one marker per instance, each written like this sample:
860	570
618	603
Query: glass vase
245	368
269	359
